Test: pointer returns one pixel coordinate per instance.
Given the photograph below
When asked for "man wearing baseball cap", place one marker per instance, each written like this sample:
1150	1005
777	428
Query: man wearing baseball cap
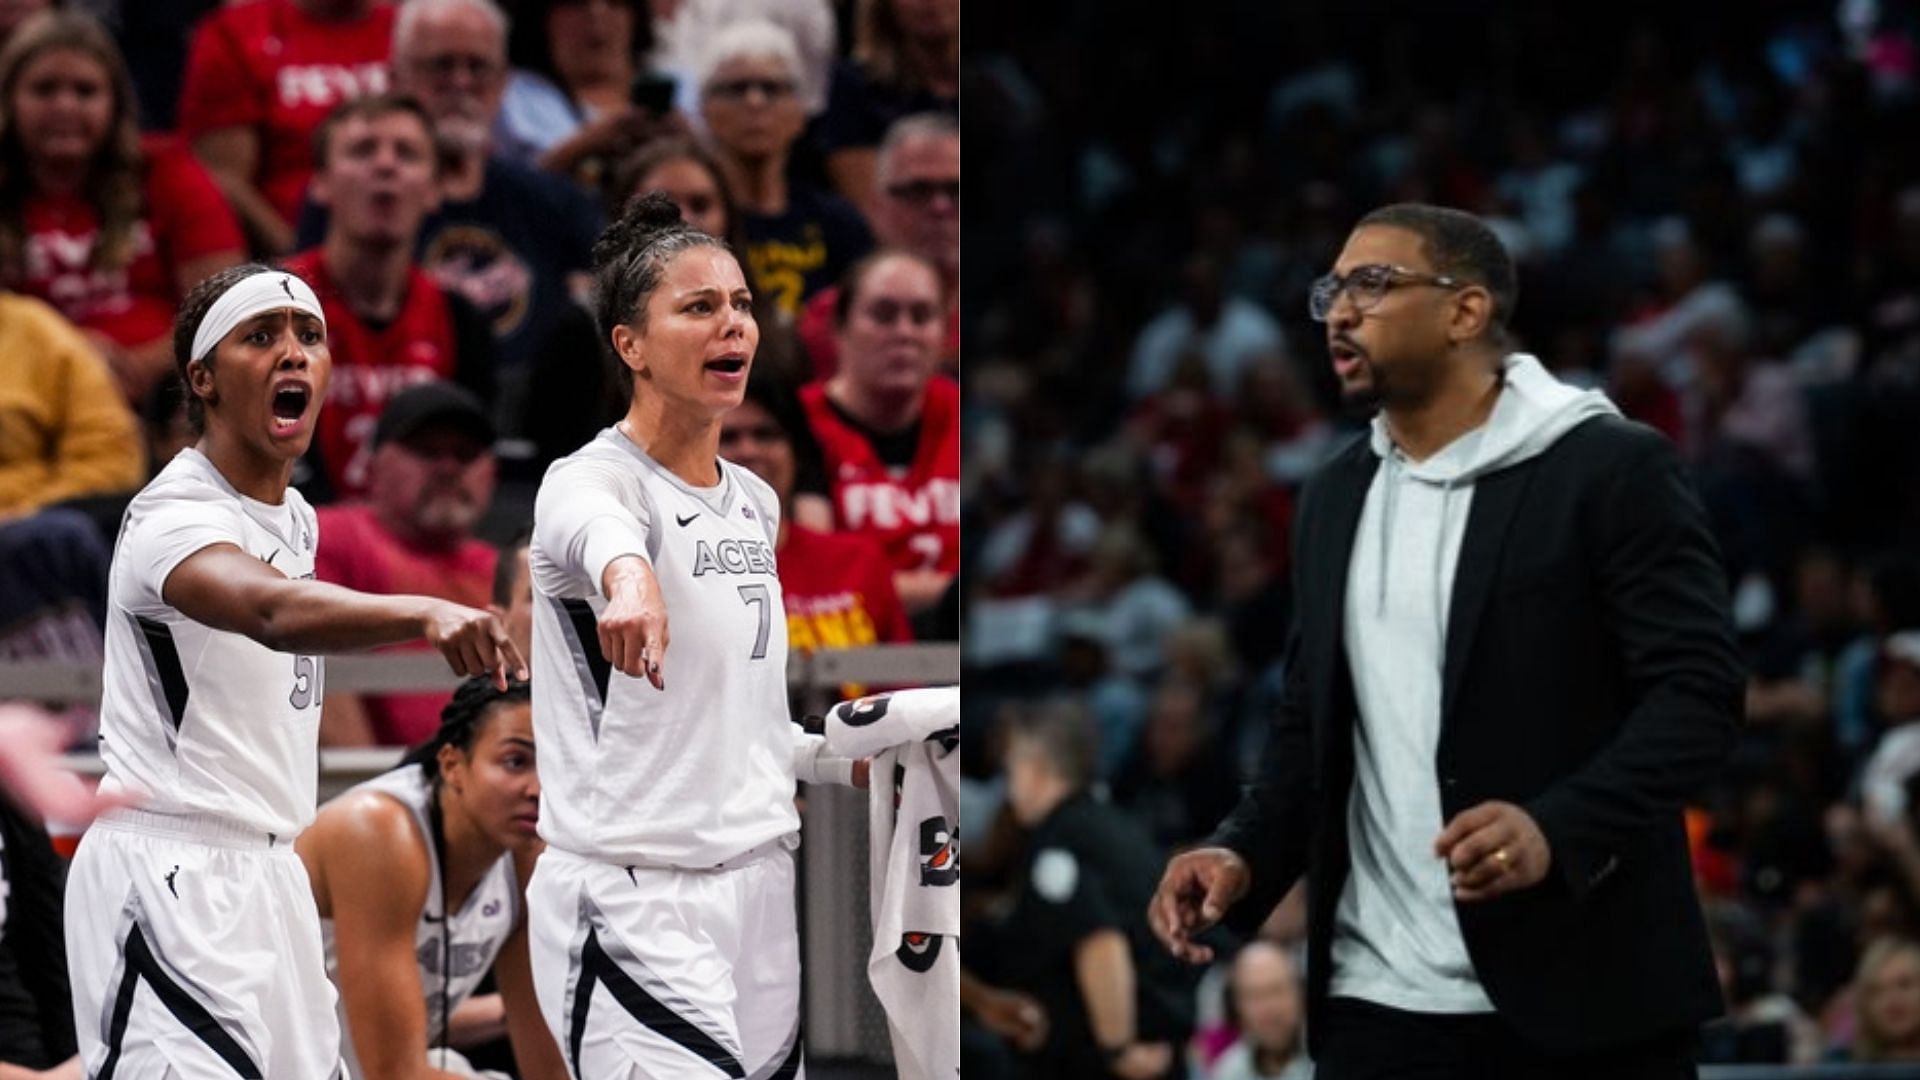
430	479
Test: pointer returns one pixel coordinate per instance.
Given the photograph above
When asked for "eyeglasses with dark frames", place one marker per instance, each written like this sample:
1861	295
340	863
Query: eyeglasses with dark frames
923	192
445	66
739	89
1367	285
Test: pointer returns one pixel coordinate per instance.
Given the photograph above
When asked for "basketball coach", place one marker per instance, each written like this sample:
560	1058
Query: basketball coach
1512	659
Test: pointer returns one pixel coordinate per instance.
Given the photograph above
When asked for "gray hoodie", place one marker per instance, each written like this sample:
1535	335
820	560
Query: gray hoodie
1397	938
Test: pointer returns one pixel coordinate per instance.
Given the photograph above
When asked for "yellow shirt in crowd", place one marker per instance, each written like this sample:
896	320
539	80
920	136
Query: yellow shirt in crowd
64	429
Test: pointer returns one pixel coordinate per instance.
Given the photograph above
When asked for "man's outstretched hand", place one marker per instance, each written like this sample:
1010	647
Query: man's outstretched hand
1197	889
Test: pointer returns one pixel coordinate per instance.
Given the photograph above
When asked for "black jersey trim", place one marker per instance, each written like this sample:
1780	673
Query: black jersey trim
589	663
597	966
166	664
142	964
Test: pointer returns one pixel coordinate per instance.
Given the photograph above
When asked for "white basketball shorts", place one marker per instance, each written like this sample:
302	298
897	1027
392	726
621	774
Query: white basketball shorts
669	973
194	950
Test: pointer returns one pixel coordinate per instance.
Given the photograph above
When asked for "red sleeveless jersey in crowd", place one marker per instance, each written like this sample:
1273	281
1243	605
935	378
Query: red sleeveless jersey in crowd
914	513
839	595
371	366
183	217
269	66
818	330
839	592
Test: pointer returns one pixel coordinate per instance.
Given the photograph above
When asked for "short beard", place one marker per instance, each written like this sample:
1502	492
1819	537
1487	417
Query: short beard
1362	403
1407	389
445	517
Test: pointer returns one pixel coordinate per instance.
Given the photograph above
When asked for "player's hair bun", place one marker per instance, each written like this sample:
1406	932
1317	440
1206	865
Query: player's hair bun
644	219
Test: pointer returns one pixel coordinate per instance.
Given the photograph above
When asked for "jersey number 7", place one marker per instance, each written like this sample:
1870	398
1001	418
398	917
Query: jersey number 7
758	596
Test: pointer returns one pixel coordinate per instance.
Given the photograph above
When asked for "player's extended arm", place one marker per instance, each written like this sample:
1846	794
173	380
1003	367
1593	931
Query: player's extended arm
633	627
533	1047
227	589
368	857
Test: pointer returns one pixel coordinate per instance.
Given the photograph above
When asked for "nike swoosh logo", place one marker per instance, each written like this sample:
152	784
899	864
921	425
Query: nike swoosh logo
684	520
275	555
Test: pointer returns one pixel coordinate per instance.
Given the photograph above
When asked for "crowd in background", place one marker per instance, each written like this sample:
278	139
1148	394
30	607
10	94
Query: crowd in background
1715	212
439	170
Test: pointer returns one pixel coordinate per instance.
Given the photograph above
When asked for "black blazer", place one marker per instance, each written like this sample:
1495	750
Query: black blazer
1590	677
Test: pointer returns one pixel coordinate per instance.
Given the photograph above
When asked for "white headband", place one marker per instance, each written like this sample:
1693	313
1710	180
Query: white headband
249	297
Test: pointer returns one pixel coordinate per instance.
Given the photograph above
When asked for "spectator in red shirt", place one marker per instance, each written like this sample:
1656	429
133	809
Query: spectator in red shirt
916	207
110	228
432	479
390	326
838	587
889	428
260	78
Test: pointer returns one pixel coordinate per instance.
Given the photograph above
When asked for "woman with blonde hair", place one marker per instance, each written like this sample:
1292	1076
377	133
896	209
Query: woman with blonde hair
110	227
1886	1001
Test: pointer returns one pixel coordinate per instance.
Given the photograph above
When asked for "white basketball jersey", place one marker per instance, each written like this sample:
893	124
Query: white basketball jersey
193	719
698	773
475	933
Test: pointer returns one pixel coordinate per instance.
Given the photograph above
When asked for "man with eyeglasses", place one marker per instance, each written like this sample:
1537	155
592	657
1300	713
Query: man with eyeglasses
259	79
432	478
800	239
1513	659
513	242
918	210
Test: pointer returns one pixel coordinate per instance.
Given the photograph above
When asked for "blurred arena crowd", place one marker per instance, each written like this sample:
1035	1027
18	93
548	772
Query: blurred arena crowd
1715	211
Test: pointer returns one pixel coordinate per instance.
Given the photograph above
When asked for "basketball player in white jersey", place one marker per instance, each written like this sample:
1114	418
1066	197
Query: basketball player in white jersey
418	874
662	912
192	938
